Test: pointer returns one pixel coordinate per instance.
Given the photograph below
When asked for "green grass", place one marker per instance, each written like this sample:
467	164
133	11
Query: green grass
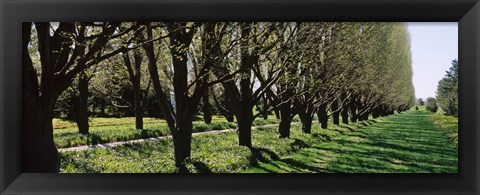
69	137
404	143
448	124
99	121
217	153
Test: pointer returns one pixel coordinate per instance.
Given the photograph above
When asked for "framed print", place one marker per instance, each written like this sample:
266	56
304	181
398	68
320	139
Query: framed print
248	97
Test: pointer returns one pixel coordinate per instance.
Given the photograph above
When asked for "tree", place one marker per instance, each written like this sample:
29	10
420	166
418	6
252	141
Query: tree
134	73
432	104
447	91
255	40
187	89
60	50
420	102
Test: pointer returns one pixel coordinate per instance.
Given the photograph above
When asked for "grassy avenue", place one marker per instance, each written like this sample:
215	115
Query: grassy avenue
407	142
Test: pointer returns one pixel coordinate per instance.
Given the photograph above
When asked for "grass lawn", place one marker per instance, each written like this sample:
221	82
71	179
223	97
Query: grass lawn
404	143
217	153
448	124
100	121
69	137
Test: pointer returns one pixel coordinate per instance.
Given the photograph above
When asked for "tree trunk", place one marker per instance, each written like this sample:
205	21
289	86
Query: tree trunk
138	104
353	112
376	112
82	117
306	122
102	108
323	116
277	113
265	107
244	121
365	116
182	141
245	113
285	121
39	154
335	114
207	113
345	115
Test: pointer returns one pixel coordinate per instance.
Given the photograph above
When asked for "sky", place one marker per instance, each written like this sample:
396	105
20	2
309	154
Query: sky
434	45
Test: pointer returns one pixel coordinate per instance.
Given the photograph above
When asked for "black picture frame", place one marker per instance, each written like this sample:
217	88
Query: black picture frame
465	12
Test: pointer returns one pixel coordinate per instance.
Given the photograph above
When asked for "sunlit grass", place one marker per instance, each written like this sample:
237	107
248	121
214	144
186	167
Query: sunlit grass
217	153
70	137
405	143
448	124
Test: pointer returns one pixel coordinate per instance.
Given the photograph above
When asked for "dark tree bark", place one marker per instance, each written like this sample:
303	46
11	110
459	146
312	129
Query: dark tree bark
82	117
365	116
102	108
286	112
179	42
245	110
38	151
306	122
39	154
207	113
243	97
135	79
376	112
345	115
323	116
180	121
277	113
59	65
225	109
285	120
335	113
353	112
244	120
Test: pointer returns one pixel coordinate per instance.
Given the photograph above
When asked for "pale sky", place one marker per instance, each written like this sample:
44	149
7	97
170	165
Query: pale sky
434	45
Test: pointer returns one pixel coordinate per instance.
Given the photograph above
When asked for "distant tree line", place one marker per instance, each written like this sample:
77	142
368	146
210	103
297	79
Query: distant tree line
176	70
447	93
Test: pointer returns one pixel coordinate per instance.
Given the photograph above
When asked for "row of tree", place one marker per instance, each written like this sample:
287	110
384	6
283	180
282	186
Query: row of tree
331	69
447	94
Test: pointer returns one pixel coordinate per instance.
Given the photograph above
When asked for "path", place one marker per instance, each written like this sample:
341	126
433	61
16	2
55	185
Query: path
113	144
404	143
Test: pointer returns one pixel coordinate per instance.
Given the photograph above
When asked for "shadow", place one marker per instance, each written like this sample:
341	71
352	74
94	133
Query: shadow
298	144
261	155
93	139
299	165
201	167
323	138
407	143
145	133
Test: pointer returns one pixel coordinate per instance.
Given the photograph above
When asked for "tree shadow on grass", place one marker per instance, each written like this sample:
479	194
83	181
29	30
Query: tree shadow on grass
146	133
201	167
198	166
93	139
322	137
298	144
261	155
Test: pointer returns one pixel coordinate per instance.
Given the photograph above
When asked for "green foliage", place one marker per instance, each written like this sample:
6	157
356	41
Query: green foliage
447	91
431	105
448	124
420	102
